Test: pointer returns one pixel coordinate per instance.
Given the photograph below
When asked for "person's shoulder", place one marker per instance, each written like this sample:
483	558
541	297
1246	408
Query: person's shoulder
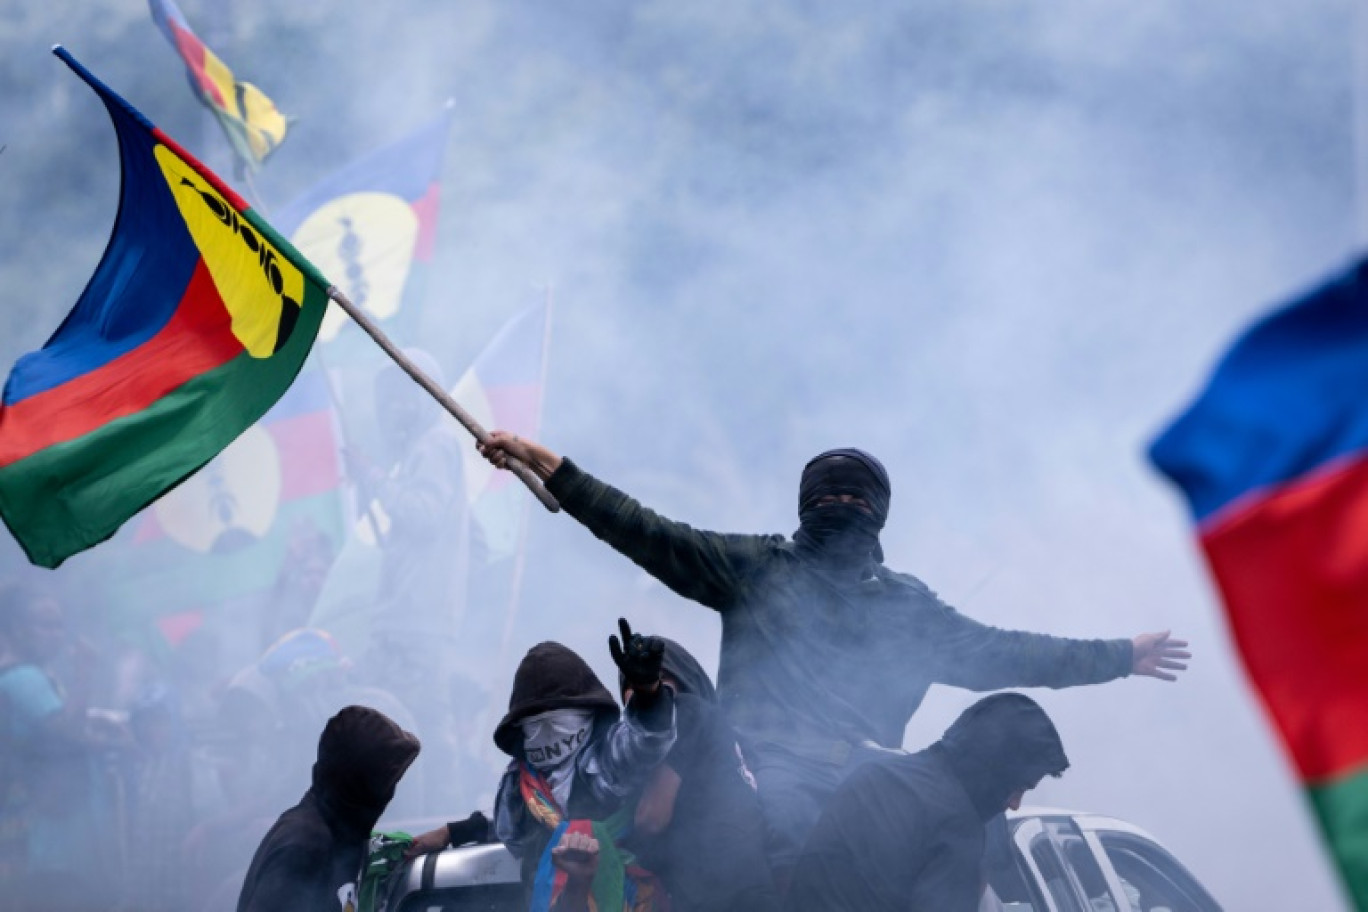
893	577
914	784
299	833
907	586
23	675
699	721
29	688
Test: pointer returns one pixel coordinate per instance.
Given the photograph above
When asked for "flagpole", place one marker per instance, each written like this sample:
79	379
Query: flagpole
520	556
524	473
363	490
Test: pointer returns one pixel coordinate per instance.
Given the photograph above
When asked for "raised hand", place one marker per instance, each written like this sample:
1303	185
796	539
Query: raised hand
1157	655
638	657
500	445
577	856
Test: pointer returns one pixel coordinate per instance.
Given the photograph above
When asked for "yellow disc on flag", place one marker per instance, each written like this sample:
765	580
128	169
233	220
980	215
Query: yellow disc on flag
260	288
364	243
230	502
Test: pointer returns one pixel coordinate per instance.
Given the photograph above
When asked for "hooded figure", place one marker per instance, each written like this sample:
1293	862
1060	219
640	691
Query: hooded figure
826	653
576	762
310	859
697	824
908	833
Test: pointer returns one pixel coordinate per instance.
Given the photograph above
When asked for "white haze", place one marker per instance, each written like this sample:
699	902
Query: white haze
997	244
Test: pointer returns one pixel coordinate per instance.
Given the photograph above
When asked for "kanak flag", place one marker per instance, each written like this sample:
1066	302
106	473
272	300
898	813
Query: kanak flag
1273	460
373	225
249	118
196	321
503	389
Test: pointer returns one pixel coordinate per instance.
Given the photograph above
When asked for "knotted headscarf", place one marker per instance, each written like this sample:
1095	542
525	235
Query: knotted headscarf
843	531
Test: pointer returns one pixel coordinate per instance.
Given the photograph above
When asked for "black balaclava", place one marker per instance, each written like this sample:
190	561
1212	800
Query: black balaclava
840	531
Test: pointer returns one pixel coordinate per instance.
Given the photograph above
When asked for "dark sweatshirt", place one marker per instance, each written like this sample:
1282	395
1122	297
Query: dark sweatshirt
711	856
810	657
907	834
310	859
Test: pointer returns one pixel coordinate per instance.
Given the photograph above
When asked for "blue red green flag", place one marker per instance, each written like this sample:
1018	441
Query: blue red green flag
373	225
248	117
197	319
1273	460
503	389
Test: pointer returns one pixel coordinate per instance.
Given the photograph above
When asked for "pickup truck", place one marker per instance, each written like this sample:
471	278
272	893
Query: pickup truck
1059	861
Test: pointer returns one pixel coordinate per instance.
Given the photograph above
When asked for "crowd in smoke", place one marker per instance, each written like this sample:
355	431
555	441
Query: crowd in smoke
997	247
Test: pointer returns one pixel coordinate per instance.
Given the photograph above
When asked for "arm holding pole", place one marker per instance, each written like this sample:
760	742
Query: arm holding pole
363	320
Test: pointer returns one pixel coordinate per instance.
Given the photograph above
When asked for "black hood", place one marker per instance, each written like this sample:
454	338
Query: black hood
1000	745
552	676
362	755
680	664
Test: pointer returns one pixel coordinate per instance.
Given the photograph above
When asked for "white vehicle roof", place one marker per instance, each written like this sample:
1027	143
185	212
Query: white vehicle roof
1088	822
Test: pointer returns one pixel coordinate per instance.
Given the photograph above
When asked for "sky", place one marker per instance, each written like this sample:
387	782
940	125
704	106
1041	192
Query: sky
997	244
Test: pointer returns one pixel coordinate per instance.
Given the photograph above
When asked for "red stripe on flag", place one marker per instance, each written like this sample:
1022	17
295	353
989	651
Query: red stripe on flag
515	410
426	207
227	192
197	339
1294	571
308	455
178	627
192	51
149	529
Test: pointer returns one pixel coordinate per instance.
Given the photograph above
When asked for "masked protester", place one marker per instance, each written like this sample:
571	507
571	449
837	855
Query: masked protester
310	859
697	822
906	834
826	653
576	763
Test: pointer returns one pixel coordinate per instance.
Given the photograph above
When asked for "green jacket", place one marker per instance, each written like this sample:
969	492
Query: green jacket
808	661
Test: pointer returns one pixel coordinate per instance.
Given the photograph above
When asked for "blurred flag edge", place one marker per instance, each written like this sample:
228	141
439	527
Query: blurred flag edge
1272	457
248	117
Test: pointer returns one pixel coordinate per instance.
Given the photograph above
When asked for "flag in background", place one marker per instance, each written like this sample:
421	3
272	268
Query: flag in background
225	535
1273	459
249	118
503	389
369	224
195	322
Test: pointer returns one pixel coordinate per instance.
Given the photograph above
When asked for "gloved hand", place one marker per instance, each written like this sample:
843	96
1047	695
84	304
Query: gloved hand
638	658
474	828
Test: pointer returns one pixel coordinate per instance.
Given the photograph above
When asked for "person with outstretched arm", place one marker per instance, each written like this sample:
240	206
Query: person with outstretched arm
826	653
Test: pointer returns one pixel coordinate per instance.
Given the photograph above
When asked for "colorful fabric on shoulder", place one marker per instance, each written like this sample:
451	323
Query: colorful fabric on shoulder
619	884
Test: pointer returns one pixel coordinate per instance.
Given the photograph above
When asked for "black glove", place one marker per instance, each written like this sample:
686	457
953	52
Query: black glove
638	657
474	828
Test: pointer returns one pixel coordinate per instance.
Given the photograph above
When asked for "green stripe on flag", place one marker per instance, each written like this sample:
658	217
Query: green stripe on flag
1342	807
76	494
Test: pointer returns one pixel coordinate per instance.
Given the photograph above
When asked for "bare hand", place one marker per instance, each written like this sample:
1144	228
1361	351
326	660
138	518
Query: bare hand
500	445
577	855
1157	655
427	843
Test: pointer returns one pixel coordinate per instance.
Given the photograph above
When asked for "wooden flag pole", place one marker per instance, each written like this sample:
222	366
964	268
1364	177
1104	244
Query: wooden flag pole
524	473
